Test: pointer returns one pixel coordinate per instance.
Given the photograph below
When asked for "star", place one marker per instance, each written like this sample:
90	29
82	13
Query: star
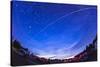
16	5
29	26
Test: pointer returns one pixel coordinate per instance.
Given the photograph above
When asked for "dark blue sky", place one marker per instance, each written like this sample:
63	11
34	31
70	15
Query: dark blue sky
59	30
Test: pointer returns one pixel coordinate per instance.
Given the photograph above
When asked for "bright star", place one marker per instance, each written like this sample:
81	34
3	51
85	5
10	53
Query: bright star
30	26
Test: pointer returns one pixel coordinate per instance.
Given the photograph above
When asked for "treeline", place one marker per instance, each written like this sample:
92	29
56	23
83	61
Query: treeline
22	56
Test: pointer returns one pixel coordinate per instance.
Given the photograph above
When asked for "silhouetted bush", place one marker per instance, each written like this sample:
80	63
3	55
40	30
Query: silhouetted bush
16	44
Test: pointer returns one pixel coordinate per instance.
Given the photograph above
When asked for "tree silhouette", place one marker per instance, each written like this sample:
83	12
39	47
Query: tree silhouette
16	44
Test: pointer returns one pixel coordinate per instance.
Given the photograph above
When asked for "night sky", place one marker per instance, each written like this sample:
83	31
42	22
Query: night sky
53	30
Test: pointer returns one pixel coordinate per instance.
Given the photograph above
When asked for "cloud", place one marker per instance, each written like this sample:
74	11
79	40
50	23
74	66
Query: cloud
53	53
54	49
59	54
